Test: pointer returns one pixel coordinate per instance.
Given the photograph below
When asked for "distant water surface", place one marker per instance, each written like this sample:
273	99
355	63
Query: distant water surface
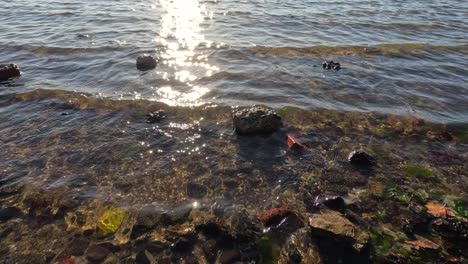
401	57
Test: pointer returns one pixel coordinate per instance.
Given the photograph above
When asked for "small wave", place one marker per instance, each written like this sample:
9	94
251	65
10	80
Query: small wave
379	50
48	50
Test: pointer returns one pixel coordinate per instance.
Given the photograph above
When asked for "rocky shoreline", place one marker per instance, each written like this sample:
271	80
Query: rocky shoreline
365	188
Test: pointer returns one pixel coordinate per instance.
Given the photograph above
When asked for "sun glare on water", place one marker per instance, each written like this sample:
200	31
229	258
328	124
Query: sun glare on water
181	34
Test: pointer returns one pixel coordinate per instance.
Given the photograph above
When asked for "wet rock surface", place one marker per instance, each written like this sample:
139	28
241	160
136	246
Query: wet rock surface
300	248
256	120
333	202
195	190
250	199
331	224
9	71
275	216
331	65
156	116
146	63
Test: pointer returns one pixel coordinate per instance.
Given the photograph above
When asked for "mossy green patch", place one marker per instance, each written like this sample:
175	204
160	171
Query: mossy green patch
457	205
110	221
283	112
269	250
417	171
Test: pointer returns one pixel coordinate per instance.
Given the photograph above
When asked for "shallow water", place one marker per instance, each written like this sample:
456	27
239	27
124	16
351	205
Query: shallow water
75	142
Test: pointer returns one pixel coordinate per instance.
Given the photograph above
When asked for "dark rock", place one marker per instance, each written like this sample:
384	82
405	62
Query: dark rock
96	254
83	36
182	245
145	257
156	116
229	256
331	224
9	71
275	216
445	136
9	213
195	190
77	247
243	225
300	248
331	65
336	203
361	158
146	62
256	120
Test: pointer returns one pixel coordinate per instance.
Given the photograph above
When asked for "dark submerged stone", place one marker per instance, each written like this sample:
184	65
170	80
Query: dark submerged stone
146	62
9	71
361	158
195	190
156	116
256	120
96	254
331	65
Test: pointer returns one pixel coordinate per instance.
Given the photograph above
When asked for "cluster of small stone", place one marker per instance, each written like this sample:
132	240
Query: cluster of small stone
331	65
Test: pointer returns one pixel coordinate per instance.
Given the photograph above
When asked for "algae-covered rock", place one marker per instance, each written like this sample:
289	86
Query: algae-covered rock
110	221
334	225
256	120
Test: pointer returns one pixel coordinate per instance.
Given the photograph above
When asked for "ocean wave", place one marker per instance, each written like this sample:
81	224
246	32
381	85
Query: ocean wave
50	50
388	50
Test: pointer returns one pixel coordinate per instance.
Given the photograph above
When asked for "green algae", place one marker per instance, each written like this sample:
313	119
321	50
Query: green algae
110	221
457	205
417	171
269	250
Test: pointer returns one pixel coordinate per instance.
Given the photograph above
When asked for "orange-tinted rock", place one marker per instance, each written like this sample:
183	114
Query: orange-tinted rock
422	243
438	210
293	144
275	216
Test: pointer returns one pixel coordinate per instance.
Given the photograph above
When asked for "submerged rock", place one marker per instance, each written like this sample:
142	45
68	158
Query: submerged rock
9	71
300	248
331	65
333	225
195	190
256	120
275	216
336	203
361	158
9	213
156	116
146	62
149	217
96	254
